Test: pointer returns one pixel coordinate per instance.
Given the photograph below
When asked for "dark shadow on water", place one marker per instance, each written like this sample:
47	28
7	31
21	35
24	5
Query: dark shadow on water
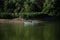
57	31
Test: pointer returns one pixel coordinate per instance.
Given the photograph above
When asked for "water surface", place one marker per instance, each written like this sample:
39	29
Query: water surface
40	31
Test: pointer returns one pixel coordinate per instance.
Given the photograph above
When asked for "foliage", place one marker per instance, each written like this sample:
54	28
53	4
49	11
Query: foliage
49	7
8	15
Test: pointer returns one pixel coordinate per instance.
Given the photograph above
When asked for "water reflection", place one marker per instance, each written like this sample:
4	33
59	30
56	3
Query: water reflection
38	31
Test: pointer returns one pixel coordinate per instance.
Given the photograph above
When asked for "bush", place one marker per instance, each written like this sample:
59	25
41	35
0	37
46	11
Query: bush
34	16
7	16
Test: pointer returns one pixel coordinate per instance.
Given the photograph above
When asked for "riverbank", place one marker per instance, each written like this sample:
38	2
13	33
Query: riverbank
21	20
18	20
11	21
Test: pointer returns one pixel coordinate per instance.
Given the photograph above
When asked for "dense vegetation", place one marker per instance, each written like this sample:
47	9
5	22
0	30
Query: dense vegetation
17	8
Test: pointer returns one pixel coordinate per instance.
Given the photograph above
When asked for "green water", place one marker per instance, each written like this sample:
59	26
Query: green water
41	31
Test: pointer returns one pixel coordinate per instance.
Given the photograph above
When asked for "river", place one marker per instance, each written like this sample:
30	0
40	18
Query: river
30	31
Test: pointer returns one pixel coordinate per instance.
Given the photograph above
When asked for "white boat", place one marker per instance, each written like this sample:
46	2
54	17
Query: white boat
27	23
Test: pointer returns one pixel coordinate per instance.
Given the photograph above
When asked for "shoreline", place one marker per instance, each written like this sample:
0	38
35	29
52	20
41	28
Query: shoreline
17	20
10	21
21	20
